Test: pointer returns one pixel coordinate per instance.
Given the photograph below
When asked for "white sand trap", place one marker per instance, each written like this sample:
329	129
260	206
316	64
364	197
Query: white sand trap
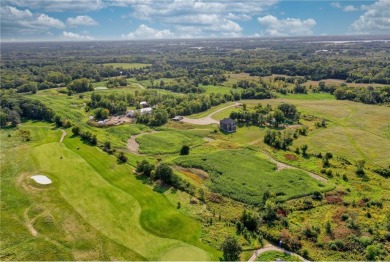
41	179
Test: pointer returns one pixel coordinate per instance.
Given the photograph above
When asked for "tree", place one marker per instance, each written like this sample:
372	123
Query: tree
58	121
231	249
360	167
145	168
76	130
304	149
165	172
122	158
14	117
278	116
3	119
185	150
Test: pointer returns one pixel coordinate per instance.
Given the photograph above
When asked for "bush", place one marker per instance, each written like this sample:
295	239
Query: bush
231	249
185	150
122	158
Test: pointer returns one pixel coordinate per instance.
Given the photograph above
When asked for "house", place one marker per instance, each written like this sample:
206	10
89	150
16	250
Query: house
228	125
177	118
145	111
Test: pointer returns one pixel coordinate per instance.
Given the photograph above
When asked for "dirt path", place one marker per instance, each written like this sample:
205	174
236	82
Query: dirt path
270	247
207	120
281	165
63	135
132	144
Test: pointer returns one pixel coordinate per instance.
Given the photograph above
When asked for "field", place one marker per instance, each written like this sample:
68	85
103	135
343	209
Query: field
168	141
127	65
355	135
121	197
276	256
244	176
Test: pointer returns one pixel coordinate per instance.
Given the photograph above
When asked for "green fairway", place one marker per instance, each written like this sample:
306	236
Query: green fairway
244	176
168	141
116	213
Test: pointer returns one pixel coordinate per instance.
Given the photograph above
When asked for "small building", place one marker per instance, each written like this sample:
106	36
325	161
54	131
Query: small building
228	125
145	111
177	118
144	104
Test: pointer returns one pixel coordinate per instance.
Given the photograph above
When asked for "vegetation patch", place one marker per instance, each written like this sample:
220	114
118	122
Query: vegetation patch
244	176
168	141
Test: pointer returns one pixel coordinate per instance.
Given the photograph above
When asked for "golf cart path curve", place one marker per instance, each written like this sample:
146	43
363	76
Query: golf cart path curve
270	247
63	135
207	120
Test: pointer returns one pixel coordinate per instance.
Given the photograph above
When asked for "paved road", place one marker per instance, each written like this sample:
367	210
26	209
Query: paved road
207	120
270	247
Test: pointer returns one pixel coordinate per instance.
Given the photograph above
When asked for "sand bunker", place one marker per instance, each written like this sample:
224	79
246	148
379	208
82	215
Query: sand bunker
41	179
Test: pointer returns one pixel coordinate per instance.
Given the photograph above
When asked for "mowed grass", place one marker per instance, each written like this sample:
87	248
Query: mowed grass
168	141
113	201
245	176
127	65
62	234
276	256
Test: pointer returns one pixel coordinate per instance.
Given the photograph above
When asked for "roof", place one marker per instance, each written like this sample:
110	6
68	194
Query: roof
227	121
145	110
143	103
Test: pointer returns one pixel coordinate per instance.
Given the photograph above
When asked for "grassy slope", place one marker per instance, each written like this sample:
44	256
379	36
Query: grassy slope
244	176
123	198
356	129
168	141
62	233
276	256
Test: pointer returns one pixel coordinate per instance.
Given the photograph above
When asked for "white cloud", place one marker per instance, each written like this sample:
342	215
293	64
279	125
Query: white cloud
287	27
347	8
145	32
46	20
75	36
376	19
81	20
58	5
16	22
241	17
350	8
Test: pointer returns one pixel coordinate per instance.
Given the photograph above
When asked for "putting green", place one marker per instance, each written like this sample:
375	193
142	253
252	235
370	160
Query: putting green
112	211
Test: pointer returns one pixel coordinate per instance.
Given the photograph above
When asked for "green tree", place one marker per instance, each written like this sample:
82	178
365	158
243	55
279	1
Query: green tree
145	167
3	119
14	117
304	149
165	172
76	130
278	116
122	158
185	150
231	249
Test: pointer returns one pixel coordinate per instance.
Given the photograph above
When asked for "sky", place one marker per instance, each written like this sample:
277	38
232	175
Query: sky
85	20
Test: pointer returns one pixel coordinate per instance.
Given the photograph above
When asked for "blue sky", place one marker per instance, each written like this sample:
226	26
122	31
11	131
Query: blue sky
78	20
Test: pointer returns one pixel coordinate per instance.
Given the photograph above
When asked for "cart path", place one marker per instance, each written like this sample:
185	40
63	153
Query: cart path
207	120
63	135
132	144
270	247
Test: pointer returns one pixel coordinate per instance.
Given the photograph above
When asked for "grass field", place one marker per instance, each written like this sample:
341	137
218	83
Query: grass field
356	129
127	65
168	141
276	256
244	176
115	208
